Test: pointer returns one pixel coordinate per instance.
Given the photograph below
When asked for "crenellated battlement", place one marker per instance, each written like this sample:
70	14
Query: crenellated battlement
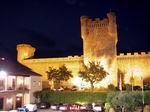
135	54
59	59
97	23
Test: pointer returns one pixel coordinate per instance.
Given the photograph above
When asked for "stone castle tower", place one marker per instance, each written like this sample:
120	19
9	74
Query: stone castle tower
24	51
99	41
99	44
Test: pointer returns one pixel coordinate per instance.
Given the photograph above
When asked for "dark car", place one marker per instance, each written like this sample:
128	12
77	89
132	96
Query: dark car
43	105
86	107
22	109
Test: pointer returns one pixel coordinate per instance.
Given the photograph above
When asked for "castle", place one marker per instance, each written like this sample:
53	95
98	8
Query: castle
99	44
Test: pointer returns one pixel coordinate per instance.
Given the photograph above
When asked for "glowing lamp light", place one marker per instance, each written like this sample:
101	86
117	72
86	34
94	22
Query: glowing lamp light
3	74
18	99
9	100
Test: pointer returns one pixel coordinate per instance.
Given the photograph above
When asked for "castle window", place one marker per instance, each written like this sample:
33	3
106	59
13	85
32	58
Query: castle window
34	83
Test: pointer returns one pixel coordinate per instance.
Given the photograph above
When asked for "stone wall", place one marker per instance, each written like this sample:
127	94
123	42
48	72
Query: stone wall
136	65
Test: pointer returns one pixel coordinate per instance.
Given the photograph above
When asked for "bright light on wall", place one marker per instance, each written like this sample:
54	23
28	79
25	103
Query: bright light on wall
20	80
3	74
9	100
137	72
77	81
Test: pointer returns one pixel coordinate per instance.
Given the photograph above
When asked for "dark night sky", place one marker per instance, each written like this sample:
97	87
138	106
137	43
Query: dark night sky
53	26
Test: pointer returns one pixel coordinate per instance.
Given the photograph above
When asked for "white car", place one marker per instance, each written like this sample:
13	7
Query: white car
11	111
63	107
97	108
31	107
54	106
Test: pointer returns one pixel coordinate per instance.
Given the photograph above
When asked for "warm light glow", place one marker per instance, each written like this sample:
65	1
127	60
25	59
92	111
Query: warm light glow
77	81
3	74
109	79
20	81
25	55
137	72
9	100
19	95
18	99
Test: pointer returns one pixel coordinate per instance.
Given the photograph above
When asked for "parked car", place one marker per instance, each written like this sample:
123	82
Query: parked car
73	107
54	106
63	107
31	107
22	109
43	105
86	107
97	108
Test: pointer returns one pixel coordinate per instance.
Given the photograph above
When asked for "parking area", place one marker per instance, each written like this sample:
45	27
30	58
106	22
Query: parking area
39	110
48	110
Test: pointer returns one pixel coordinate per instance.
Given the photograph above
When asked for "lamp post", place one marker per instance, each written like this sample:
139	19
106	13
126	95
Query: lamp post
120	82
132	82
142	90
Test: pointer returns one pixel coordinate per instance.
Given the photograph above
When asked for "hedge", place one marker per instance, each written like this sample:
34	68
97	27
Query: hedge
147	97
72	97
79	97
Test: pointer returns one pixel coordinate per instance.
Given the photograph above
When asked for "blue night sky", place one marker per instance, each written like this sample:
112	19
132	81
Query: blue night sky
53	26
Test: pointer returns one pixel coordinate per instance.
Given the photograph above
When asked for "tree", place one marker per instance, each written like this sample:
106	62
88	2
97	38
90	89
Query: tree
124	100
58	75
93	73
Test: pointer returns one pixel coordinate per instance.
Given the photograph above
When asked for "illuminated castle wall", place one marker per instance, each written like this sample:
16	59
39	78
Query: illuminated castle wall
136	65
99	44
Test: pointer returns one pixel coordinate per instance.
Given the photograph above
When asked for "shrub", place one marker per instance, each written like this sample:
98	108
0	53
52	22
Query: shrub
128	87
127	100
87	97
111	87
147	86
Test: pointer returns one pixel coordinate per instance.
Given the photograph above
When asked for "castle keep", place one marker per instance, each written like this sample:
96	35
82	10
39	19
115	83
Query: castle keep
99	44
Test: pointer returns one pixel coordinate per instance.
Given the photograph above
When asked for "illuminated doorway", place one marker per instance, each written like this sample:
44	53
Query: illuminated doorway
18	101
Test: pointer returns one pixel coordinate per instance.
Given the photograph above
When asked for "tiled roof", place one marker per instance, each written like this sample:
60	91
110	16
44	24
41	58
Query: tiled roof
15	68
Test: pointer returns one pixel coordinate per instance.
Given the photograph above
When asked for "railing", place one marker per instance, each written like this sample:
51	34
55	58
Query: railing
18	87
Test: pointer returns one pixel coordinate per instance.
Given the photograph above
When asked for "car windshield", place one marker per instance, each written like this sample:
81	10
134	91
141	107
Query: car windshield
21	110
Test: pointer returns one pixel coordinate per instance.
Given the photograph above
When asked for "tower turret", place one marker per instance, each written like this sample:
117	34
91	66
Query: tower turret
99	43
112	27
84	29
24	51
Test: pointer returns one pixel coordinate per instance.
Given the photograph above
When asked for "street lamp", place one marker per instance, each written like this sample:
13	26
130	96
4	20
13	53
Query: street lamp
142	90
3	74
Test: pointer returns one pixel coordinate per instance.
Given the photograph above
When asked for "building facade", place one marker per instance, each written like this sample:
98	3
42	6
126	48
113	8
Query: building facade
17	90
17	86
99	44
